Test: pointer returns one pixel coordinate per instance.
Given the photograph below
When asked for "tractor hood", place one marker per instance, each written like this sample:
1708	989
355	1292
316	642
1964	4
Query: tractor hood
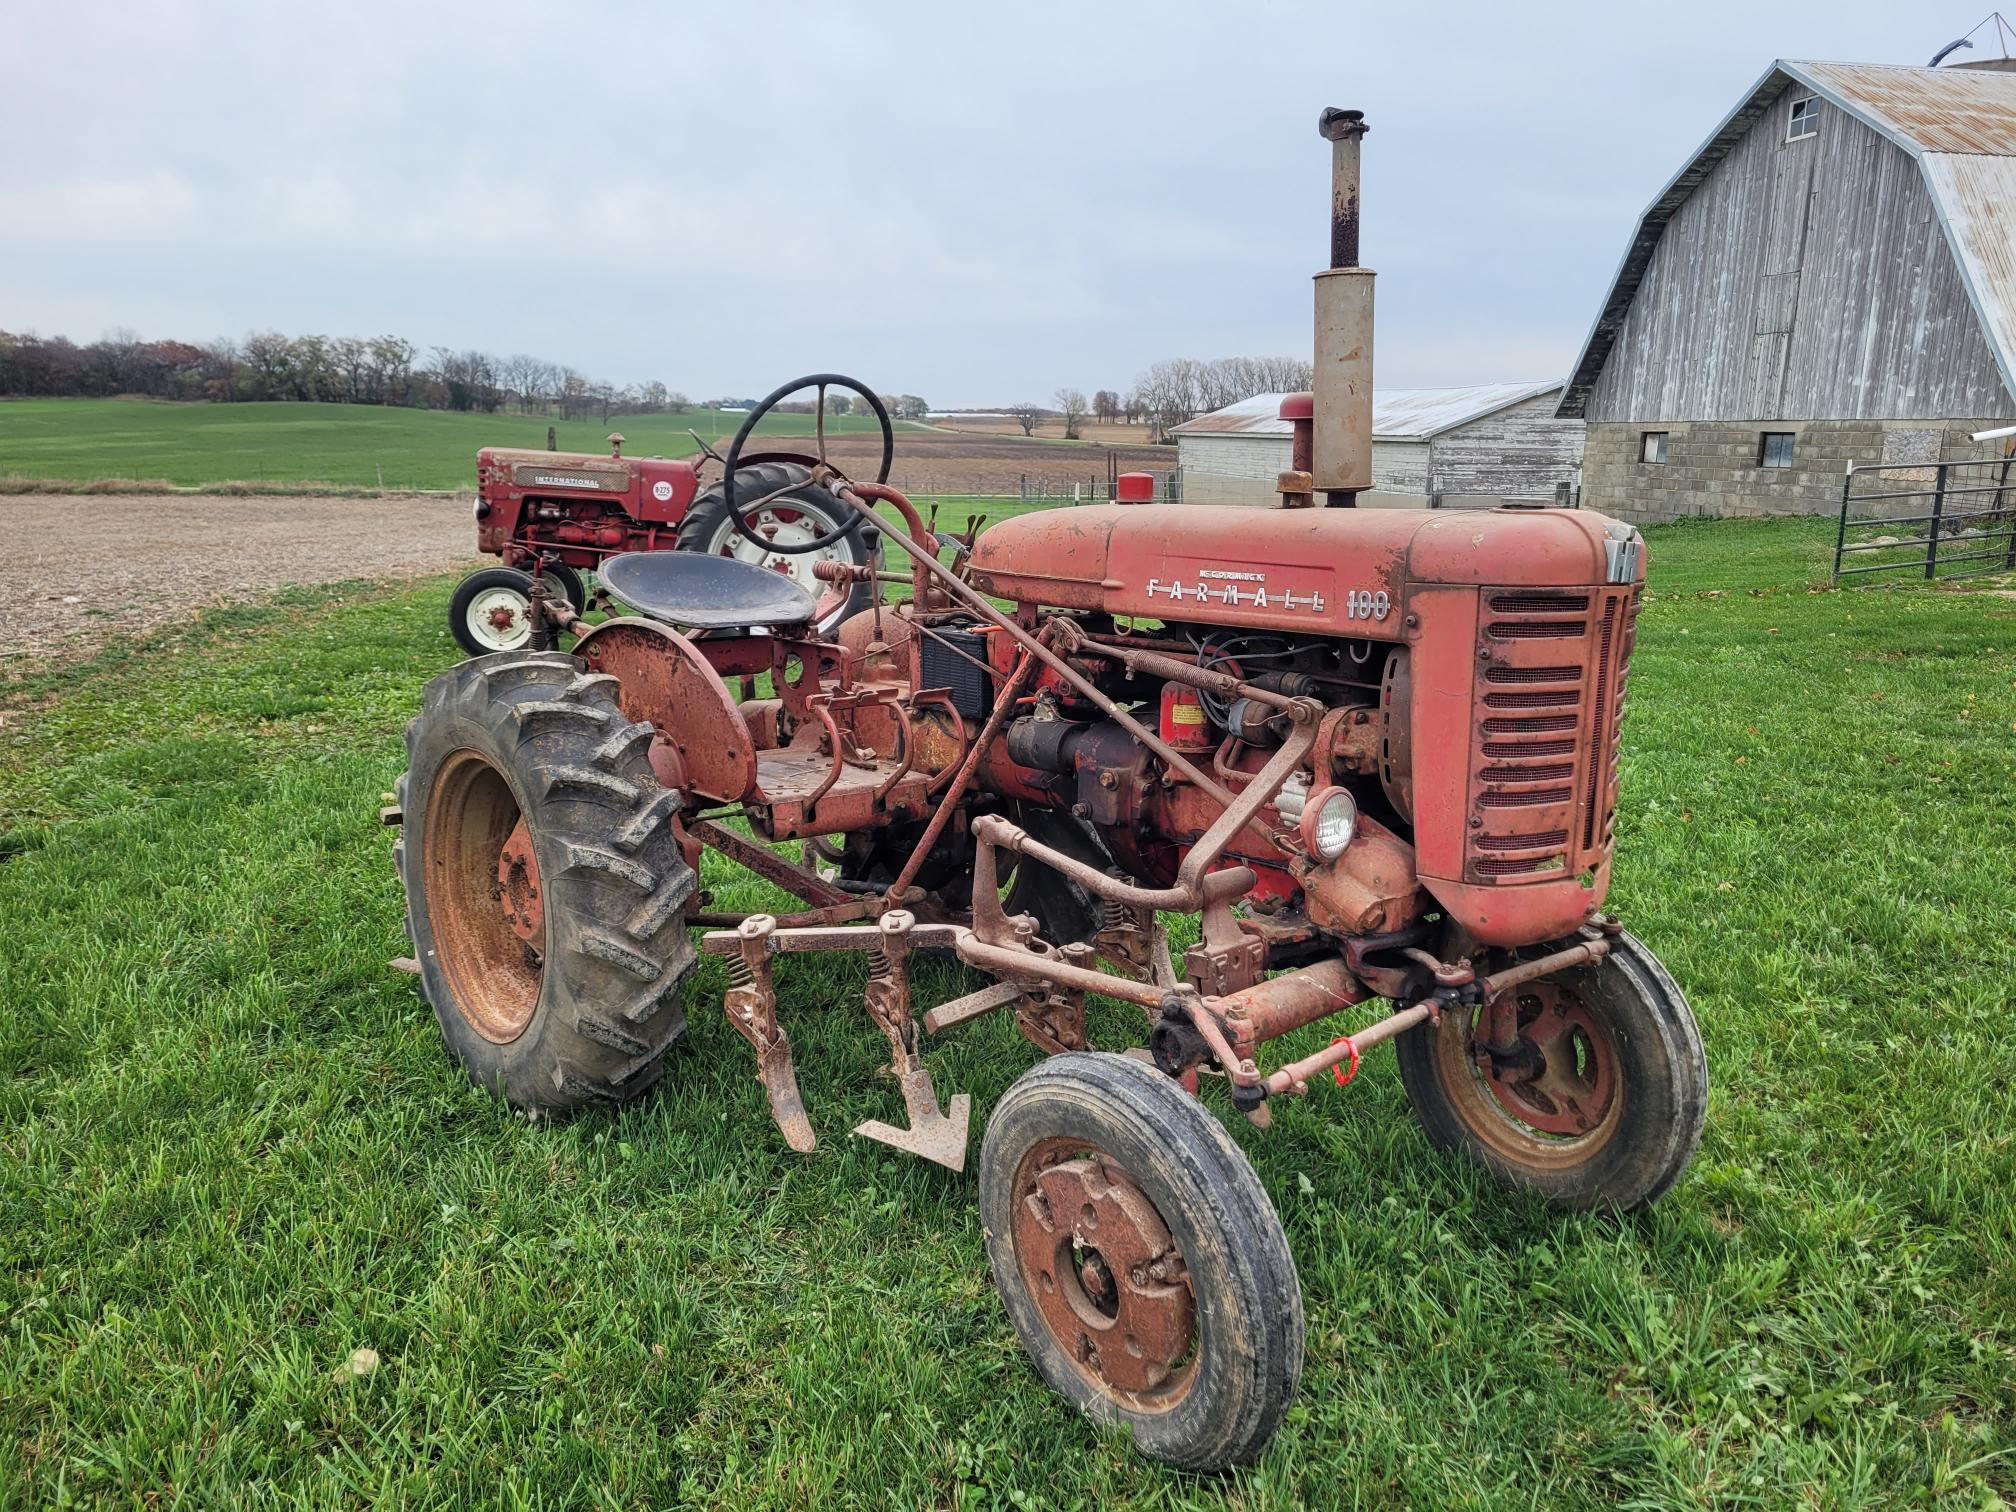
1320	571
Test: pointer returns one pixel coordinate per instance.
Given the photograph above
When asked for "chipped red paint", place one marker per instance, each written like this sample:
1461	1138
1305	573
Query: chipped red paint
1483	828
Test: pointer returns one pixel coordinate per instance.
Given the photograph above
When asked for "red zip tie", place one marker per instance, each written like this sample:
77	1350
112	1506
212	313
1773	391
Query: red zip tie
1343	1076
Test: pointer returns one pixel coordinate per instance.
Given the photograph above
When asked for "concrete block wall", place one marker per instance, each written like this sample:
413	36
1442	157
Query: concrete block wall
1711	466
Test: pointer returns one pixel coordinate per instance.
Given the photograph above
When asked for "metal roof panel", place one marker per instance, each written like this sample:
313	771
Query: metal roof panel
1965	116
1397	414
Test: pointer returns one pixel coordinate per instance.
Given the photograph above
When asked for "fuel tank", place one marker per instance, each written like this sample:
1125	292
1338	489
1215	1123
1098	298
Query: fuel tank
1303	571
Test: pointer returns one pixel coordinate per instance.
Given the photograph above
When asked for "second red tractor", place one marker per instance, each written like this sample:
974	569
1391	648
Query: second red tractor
561	515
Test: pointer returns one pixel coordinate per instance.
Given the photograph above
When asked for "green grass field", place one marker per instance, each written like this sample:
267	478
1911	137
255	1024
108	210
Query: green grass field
232	1151
366	446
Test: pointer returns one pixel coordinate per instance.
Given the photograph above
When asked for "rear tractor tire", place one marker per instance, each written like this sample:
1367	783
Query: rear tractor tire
793	518
1140	1260
1607	1093
545	888
491	610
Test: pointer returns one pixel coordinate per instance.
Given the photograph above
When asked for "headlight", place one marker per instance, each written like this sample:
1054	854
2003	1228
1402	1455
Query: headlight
1329	820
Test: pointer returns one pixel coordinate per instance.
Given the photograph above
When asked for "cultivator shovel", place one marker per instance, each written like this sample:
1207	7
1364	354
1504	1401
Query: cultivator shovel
752	1008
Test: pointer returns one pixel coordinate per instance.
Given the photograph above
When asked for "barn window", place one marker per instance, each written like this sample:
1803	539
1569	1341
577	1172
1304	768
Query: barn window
1774	449
1652	446
1805	119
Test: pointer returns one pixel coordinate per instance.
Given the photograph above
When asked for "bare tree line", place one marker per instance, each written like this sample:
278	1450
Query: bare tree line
267	365
391	370
1172	391
1182	388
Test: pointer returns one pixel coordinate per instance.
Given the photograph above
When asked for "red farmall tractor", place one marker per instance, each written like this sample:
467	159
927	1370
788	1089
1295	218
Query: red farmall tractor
557	515
1372	754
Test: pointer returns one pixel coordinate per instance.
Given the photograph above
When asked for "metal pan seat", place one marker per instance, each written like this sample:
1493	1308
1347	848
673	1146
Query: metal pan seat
704	592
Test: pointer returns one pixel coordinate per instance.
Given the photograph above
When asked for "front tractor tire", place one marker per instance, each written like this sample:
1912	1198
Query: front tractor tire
491	610
1139	1259
545	888
1607	1091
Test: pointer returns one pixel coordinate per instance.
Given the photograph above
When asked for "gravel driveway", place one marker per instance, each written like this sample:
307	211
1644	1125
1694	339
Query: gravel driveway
81	570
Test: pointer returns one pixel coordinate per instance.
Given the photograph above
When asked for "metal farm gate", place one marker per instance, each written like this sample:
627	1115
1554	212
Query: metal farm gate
1962	525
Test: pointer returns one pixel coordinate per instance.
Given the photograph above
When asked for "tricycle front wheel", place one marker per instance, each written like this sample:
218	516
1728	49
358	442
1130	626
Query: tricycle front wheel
1140	1260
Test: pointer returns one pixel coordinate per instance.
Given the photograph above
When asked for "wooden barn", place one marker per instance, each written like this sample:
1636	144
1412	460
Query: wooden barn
1830	278
1431	448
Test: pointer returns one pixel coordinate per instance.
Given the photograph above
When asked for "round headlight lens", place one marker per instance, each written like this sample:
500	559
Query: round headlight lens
1328	823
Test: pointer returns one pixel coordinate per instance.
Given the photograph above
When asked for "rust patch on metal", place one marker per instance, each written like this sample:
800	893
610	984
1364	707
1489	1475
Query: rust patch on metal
1105	1273
670	685
518	887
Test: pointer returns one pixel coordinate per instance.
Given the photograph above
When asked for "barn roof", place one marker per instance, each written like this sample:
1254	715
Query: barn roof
1958	123
1397	414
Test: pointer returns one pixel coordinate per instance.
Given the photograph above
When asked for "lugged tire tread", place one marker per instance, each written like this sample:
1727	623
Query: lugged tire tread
607	862
639	827
603	1032
1260	1364
604	947
658	910
611	753
591	780
525	715
609	1006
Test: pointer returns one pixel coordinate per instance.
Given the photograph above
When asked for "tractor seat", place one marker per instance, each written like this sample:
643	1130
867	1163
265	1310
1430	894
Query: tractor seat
704	592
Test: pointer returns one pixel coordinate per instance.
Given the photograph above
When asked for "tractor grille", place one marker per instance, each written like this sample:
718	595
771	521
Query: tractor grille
1543	768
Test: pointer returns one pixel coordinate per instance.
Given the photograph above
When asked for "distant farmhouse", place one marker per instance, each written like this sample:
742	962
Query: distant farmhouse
1832	277
1430	448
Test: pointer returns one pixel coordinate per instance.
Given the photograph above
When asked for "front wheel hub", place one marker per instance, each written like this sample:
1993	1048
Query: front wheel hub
1561	1075
1106	1275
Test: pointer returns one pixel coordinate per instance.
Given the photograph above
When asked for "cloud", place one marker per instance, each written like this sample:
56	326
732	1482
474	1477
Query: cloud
140	209
971	203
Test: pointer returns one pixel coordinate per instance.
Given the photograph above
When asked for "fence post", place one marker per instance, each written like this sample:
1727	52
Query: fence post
2001	512
1938	509
1841	535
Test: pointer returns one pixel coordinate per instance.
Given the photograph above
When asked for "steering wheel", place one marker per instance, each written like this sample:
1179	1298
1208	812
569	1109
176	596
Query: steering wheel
821	381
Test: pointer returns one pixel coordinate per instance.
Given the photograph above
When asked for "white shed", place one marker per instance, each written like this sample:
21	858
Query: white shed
1450	446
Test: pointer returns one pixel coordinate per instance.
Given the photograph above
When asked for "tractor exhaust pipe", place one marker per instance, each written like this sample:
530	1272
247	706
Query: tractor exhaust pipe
1341	460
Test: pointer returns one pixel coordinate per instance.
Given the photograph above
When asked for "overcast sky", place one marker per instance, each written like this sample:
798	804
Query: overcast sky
975	203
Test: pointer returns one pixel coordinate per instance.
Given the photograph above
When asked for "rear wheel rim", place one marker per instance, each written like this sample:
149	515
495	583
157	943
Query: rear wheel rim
490	955
1105	1274
1560	1115
792	524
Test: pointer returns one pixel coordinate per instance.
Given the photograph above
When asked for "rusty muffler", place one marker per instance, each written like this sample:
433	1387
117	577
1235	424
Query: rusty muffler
1341	461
